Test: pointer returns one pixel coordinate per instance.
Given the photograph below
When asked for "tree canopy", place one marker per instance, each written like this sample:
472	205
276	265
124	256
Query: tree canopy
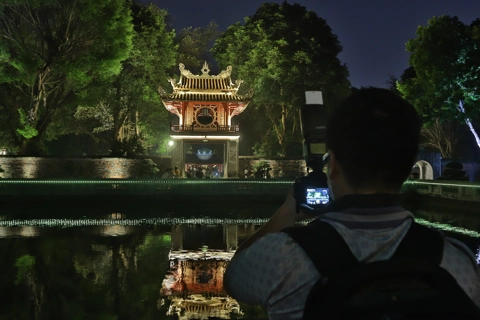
280	52
194	44
50	53
130	109
442	82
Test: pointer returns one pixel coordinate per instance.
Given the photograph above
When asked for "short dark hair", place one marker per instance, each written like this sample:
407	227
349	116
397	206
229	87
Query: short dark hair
374	135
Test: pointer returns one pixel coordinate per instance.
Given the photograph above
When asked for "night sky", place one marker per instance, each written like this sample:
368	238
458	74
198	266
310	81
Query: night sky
372	32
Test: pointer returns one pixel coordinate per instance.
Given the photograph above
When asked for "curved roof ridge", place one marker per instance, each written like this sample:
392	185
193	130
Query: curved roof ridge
224	74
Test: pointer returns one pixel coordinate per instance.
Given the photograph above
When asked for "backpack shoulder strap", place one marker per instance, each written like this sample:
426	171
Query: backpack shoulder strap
319	240
421	242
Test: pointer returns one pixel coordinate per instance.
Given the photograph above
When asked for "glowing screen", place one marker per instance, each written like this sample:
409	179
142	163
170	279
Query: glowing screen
317	196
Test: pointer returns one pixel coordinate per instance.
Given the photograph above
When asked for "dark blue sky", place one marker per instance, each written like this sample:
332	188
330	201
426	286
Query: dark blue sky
373	32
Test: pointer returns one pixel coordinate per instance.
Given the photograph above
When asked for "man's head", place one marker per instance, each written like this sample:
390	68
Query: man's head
373	140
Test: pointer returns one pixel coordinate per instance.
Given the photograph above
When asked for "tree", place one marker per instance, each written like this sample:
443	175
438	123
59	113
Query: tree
51	52
443	84
454	171
441	136
194	45
131	109
280	52
392	84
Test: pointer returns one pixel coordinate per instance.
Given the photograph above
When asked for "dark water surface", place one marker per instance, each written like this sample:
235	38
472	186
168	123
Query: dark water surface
148	261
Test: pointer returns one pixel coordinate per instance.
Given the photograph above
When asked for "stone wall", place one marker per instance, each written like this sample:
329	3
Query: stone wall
280	167
78	168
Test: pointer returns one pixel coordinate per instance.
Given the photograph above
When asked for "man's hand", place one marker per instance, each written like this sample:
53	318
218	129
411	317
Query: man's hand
285	216
290	205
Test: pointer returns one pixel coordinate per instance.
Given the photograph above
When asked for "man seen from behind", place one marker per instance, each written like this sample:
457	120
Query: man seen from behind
372	141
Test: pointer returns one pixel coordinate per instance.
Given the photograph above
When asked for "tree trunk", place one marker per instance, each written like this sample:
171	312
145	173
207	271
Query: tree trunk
469	124
39	95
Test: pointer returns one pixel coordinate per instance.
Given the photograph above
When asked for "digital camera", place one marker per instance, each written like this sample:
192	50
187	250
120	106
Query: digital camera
311	192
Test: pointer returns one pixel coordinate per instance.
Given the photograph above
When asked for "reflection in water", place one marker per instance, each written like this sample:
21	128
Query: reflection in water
25	231
153	268
120	271
116	230
194	283
195	289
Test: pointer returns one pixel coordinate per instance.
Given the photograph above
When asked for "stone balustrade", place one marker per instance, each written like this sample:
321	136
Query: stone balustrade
455	190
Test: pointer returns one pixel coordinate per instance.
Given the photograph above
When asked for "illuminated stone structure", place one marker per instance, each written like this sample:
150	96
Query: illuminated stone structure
205	105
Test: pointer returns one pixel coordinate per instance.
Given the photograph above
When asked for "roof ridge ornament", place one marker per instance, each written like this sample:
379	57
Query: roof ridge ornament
205	69
224	74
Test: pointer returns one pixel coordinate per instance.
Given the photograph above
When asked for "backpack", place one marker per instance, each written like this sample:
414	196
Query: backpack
410	285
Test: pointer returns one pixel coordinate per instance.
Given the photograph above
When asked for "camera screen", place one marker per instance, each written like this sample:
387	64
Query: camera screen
317	196
317	148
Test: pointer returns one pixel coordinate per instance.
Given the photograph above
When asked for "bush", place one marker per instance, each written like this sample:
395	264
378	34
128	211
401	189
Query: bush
148	169
131	147
261	165
453	171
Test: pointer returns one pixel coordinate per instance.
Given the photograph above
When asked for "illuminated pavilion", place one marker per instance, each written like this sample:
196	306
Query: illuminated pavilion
205	105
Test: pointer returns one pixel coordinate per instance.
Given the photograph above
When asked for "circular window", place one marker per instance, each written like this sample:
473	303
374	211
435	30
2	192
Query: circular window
205	116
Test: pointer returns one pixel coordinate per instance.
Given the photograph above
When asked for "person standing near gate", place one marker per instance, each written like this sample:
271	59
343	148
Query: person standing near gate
176	173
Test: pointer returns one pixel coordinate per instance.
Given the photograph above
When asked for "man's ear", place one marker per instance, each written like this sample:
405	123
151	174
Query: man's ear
333	166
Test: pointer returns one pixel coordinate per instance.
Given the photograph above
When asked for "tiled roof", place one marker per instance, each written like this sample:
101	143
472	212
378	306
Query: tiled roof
205	87
205	84
204	96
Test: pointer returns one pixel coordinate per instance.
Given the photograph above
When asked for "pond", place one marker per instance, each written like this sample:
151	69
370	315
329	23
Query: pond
117	261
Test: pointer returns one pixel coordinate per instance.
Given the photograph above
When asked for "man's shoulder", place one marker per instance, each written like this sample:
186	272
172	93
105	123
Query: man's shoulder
274	271
273	241
274	249
455	249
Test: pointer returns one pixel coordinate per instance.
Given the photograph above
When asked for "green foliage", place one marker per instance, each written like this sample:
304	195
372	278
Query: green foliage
131	103
54	52
408	189
193	45
148	169
261	165
280	52
128	147
28	130
443	73
268	146
25	265
444	60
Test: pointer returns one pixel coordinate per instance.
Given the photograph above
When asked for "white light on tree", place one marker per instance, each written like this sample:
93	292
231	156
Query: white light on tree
469	123
170	143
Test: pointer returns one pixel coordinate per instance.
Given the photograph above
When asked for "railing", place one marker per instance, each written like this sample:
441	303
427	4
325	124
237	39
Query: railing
181	128
231	128
221	188
457	190
218	188
191	128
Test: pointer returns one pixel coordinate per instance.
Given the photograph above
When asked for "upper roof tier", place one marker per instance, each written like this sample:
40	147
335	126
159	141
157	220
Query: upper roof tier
205	87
